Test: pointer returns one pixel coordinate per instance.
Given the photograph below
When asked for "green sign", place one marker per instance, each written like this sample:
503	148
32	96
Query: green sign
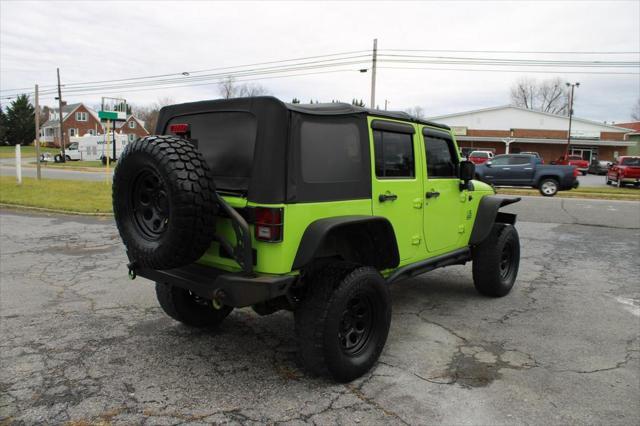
108	115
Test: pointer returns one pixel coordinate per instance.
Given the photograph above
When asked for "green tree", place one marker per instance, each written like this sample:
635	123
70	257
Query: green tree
20	121
3	126
356	102
295	101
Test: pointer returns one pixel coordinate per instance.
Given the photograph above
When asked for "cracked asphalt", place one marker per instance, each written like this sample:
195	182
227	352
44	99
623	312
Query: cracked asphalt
82	344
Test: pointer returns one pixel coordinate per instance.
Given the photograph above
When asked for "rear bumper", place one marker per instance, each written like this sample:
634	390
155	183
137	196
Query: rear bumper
231	289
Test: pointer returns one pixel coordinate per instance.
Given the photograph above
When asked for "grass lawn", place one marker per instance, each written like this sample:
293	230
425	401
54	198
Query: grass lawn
57	194
78	164
26	151
604	193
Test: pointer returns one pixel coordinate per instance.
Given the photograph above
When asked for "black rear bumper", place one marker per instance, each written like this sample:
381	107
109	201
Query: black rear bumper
231	289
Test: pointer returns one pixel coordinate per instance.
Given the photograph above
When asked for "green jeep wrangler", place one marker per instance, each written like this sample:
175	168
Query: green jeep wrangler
311	208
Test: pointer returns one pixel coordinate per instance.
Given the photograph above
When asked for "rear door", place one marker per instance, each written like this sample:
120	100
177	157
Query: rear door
396	189
443	199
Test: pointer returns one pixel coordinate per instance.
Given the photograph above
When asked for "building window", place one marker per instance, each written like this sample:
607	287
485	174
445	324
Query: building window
131	137
81	116
73	132
92	132
132	124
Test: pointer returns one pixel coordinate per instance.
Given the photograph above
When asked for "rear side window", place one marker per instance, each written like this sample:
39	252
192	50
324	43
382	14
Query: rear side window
519	160
330	152
227	142
394	154
441	158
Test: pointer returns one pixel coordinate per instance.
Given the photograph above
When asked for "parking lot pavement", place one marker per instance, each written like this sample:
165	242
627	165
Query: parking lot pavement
82	343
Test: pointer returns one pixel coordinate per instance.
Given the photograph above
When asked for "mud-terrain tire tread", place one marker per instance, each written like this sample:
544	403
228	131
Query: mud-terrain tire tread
191	194
486	261
175	302
312	314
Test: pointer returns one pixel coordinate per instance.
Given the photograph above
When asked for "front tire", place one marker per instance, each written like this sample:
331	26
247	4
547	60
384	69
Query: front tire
343	321
496	261
548	187
189	309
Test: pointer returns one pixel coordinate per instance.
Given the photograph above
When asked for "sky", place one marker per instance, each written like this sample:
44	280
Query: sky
95	41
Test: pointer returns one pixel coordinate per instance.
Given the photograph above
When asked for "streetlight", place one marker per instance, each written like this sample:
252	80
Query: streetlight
573	86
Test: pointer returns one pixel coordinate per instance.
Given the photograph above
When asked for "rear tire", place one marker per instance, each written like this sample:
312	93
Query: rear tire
343	321
496	261
189	309
548	187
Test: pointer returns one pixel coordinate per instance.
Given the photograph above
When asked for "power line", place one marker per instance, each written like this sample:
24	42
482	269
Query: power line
511	71
556	52
199	71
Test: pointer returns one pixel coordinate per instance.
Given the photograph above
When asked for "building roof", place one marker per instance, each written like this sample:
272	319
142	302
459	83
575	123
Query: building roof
617	127
633	125
67	110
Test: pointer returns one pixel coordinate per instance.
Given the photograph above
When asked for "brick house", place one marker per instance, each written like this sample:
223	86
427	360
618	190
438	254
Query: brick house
132	127
77	120
633	135
510	129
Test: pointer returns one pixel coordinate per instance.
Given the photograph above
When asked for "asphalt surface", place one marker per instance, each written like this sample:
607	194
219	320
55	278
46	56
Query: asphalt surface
83	344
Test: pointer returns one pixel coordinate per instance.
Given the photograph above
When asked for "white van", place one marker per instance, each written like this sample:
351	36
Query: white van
92	148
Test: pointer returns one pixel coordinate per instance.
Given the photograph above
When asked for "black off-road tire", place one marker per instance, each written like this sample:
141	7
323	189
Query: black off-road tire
343	300
496	261
183	306
550	183
164	202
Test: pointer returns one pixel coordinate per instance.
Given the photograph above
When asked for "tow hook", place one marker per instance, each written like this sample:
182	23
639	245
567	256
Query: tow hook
132	270
218	297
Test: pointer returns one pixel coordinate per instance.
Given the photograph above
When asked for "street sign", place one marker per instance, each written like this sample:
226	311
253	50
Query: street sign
112	115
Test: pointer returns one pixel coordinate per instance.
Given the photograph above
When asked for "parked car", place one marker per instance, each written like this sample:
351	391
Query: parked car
535	154
314	209
525	170
624	170
480	157
574	160
599	167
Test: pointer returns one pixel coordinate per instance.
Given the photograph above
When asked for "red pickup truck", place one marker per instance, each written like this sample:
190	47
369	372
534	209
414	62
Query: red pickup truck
624	170
574	160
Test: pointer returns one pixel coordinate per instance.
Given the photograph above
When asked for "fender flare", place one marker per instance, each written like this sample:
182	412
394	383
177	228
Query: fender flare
488	214
378	227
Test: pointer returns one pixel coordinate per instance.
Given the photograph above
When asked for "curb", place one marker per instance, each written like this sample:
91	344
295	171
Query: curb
46	210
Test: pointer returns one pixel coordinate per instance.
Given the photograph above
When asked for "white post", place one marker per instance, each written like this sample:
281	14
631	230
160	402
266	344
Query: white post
18	164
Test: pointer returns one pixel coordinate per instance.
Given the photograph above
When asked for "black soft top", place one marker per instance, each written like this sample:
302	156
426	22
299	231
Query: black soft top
271	155
273	104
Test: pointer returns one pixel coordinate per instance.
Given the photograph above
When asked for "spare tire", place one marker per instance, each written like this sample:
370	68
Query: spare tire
164	202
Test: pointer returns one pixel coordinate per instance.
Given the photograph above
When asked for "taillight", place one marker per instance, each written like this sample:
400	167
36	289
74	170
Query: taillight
576	173
268	224
179	129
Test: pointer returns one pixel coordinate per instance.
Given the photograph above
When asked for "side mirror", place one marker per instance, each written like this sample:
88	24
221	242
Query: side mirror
466	170
488	163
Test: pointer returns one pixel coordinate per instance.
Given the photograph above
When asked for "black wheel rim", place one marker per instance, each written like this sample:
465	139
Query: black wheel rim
356	324
150	204
507	258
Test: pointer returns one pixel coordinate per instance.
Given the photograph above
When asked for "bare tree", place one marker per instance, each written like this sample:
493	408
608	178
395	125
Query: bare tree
229	89
550	96
416	111
635	111
149	113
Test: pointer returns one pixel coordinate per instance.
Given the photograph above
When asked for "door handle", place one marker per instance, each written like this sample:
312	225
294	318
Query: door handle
528	168
507	168
433	194
387	197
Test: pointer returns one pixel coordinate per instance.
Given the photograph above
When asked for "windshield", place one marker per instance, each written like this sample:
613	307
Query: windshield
480	154
631	161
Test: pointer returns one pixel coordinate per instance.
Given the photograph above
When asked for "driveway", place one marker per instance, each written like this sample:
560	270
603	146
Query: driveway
82	343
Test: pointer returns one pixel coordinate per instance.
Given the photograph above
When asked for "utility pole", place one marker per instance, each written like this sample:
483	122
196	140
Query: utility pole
573	86
60	112
373	73
386	102
37	142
